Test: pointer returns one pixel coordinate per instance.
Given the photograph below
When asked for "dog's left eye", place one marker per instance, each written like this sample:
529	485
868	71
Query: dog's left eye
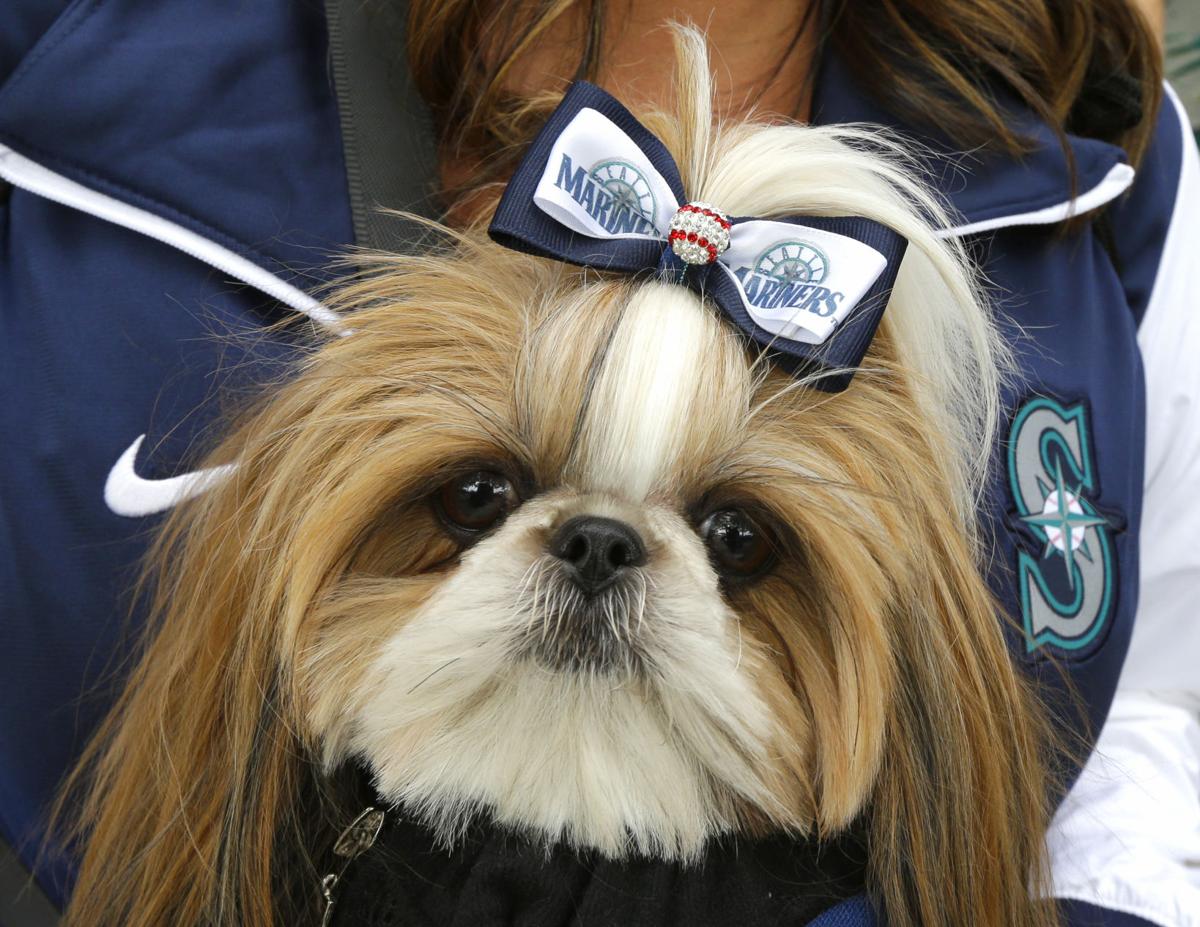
737	544
477	501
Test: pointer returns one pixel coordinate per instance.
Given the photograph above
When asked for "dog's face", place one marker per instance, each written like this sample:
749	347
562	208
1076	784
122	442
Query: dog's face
597	571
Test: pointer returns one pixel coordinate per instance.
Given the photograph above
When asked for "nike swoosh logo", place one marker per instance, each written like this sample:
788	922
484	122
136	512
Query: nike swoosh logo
127	494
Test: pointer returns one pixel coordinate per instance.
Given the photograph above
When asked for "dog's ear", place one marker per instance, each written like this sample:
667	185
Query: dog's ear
961	804
902	707
196	798
196	770
962	800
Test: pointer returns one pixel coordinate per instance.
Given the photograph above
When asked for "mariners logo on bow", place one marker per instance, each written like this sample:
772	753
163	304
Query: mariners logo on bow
1066	582
789	273
613	192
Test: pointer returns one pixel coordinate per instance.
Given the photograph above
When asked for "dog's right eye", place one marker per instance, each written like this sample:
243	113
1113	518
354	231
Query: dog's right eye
477	501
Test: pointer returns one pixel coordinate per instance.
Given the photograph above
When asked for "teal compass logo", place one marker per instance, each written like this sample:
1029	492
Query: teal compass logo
792	262
789	275
1065	523
614	193
1066	585
627	187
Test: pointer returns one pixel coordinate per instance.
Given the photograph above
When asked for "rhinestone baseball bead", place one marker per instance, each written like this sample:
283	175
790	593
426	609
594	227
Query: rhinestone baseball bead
699	233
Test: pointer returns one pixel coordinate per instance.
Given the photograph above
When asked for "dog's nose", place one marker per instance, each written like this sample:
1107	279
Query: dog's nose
597	549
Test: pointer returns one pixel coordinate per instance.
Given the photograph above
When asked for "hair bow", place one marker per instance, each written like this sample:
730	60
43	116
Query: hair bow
598	189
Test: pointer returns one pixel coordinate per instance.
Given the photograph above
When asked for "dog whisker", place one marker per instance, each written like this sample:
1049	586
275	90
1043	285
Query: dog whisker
432	674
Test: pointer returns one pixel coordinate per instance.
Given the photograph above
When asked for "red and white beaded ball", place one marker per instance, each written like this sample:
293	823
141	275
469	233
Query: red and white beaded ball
699	233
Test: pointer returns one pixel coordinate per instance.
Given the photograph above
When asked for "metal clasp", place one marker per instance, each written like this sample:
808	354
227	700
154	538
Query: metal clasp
355	840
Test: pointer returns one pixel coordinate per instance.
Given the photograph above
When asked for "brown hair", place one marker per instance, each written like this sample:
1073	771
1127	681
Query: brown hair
1089	67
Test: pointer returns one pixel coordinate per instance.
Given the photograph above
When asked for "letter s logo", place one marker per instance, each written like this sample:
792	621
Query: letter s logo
1066	588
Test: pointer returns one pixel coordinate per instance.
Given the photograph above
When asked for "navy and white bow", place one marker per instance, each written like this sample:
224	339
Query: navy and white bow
597	189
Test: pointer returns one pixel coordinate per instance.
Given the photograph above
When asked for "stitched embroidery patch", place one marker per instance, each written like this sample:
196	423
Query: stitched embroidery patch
1066	572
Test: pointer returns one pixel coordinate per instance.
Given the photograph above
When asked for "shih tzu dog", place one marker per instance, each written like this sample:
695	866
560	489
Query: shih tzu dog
596	555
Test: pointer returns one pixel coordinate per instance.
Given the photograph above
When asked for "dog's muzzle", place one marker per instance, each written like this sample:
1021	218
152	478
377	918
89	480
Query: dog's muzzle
587	604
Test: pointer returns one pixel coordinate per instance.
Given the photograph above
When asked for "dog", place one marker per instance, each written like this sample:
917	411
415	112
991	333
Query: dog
560	548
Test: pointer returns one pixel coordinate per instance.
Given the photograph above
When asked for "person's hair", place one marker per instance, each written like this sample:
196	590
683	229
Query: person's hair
1089	67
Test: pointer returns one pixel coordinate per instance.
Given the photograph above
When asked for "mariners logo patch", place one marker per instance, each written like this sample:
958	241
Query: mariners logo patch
1066	574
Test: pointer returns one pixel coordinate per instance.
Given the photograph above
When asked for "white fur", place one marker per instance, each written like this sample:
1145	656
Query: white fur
657	392
453	722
